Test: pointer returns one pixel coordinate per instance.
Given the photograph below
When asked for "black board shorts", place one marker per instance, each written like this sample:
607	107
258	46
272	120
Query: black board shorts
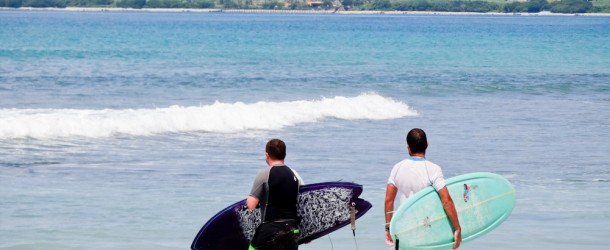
276	235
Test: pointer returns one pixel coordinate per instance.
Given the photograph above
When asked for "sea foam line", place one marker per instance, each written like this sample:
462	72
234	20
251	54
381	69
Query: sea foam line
218	117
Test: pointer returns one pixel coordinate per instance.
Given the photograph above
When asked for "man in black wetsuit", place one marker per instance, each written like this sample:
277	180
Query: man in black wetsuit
276	189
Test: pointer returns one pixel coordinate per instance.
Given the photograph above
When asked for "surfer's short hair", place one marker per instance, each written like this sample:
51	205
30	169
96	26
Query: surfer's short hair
276	148
417	141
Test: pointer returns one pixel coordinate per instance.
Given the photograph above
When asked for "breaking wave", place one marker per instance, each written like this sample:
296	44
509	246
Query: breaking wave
218	117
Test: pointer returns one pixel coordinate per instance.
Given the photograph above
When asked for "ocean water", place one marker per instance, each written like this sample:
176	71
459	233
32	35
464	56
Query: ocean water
130	130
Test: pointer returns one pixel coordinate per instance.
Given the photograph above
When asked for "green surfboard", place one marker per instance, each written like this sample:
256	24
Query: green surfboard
482	200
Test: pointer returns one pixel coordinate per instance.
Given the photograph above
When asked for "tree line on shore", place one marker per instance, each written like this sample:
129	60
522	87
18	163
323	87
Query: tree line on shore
530	6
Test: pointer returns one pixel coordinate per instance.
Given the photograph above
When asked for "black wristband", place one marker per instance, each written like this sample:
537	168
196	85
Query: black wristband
387	227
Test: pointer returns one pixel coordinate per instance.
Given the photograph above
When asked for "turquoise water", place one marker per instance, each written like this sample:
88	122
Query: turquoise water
130	130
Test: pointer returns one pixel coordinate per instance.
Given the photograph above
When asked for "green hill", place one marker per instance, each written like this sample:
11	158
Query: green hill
505	6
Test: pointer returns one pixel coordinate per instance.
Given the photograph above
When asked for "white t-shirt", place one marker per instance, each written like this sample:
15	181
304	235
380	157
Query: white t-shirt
414	174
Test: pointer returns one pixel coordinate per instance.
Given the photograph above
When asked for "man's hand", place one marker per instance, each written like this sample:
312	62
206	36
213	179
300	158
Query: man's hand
388	238
251	202
457	238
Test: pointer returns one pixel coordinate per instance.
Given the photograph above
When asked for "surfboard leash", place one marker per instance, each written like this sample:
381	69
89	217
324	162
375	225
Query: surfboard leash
352	215
332	247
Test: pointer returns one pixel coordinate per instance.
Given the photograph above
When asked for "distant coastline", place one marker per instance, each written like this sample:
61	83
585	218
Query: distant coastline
350	12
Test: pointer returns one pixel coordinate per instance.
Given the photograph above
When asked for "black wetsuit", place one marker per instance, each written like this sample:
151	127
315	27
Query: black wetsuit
277	189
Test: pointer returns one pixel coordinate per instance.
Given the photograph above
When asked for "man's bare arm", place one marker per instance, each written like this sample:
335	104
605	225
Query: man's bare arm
452	215
390	195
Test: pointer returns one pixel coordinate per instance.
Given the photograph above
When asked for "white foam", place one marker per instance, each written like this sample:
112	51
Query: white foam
215	118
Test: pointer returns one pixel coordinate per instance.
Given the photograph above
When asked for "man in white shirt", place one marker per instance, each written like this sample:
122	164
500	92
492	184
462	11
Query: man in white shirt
414	174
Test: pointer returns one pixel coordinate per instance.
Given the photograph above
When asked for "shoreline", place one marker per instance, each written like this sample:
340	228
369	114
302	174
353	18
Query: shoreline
351	12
